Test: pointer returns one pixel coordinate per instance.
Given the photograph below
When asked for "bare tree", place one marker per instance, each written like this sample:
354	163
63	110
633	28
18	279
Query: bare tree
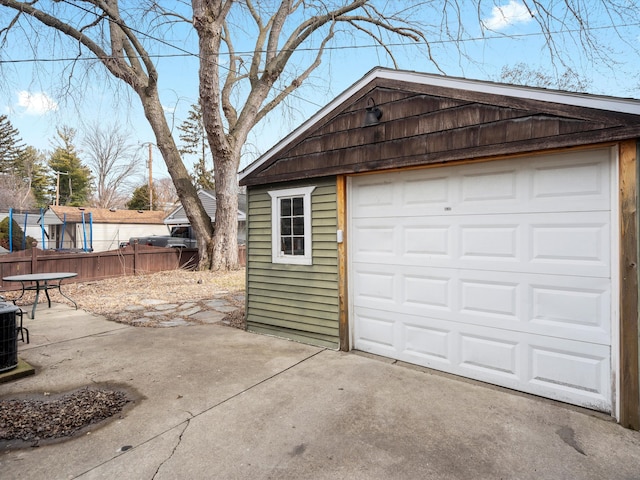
268	74
115	162
523	74
33	173
96	28
166	197
15	193
289	37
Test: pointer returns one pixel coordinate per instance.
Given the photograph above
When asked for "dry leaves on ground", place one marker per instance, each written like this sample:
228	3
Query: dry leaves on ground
109	297
33	419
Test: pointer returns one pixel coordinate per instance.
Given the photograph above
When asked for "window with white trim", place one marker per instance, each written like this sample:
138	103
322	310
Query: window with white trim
291	225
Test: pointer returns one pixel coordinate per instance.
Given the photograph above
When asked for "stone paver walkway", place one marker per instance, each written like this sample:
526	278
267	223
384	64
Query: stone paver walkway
154	312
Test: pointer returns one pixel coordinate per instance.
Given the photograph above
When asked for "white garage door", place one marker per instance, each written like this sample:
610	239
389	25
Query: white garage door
498	271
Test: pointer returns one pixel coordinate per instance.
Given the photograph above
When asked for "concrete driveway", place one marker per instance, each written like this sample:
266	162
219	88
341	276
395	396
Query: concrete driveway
216	402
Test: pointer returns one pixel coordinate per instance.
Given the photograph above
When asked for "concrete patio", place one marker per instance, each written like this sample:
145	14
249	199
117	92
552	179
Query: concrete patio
217	402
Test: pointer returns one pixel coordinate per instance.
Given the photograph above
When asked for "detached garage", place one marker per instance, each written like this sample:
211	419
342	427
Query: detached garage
483	230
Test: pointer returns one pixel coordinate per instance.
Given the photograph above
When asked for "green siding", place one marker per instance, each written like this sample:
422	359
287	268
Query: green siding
298	302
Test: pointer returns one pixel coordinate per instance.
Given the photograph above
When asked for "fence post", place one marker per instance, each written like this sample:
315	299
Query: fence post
242	255
135	256
34	257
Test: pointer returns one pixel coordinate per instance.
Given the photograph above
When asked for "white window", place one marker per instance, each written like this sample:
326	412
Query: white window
291	225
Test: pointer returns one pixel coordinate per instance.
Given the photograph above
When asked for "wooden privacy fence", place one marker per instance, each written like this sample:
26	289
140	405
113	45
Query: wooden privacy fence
131	260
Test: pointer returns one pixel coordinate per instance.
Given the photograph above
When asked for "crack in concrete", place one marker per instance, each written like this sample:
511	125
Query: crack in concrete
188	421
175	448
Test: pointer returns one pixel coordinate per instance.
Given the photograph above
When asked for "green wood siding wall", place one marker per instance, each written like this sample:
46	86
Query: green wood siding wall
299	302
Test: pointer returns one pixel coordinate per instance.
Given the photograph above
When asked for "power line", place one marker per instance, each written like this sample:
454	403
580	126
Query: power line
186	53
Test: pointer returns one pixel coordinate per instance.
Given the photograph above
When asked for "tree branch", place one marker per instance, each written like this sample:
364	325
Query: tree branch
136	78
296	82
227	106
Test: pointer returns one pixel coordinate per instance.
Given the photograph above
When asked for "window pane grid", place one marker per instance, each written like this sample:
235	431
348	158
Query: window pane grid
292	225
291	240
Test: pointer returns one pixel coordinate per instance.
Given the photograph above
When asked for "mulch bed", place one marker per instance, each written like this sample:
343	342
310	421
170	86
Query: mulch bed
33	420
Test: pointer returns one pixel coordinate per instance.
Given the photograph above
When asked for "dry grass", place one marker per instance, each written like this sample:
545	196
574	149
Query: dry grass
107	297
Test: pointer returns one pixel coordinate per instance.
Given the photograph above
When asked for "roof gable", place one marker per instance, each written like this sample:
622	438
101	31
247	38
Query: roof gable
432	119
208	199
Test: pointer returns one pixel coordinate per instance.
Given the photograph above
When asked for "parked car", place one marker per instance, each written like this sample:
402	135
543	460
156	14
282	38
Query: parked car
181	237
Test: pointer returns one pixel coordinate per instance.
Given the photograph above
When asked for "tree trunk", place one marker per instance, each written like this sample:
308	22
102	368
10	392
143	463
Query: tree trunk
225	237
187	193
208	18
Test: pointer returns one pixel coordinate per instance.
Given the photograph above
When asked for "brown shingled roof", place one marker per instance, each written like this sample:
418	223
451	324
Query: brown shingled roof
104	215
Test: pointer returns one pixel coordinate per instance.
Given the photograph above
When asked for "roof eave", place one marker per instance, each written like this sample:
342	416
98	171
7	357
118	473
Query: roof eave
613	104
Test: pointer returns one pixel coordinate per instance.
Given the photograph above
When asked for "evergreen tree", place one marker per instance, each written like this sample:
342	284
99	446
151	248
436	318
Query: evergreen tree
11	146
33	172
194	142
24	181
140	199
75	180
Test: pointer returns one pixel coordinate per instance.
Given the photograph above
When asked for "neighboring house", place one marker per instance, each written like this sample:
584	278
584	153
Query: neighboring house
208	199
99	229
480	229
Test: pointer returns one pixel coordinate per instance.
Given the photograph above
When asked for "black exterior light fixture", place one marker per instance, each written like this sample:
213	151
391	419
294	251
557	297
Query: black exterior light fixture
373	115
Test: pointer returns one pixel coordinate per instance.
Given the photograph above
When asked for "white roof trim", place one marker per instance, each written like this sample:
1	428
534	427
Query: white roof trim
242	217
180	207
599	102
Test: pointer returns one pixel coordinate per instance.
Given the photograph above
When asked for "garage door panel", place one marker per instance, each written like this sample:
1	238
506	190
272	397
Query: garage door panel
426	192
568	178
568	370
427	291
378	241
425	341
536	243
500	272
376	194
491	356
428	342
489	187
579	181
376	331
489	299
490	242
577	243
550	305
580	312
561	369
377	286
426	240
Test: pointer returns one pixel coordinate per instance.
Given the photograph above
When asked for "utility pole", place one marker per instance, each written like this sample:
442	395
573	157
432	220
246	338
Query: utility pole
150	166
150	176
58	186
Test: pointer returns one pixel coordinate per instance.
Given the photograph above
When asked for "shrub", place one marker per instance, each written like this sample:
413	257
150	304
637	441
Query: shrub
17	235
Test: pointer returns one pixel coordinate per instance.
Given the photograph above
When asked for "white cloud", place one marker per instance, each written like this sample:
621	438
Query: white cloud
507	15
36	103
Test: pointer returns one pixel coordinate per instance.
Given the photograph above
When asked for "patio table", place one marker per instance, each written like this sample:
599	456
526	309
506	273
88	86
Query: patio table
41	281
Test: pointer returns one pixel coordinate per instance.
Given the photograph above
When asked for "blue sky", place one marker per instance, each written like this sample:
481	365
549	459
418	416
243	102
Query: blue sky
36	107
